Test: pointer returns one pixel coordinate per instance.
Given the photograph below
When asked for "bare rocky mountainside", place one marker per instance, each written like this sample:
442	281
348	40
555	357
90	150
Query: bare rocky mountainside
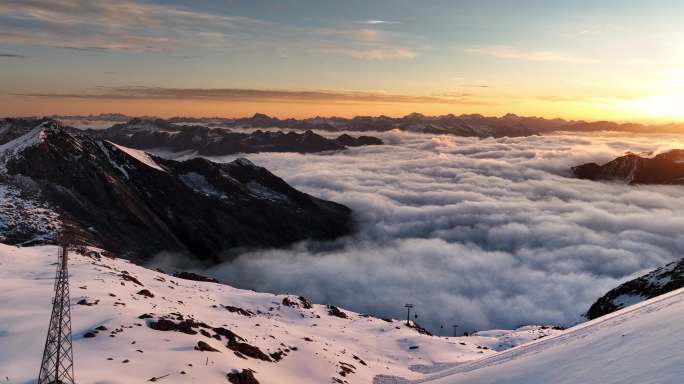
161	134
665	168
133	203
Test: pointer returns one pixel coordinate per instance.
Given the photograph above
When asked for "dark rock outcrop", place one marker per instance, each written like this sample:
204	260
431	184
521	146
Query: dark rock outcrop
238	310
350	141
204	347
655	283
165	325
334	311
244	349
665	168
146	293
136	204
194	276
246	376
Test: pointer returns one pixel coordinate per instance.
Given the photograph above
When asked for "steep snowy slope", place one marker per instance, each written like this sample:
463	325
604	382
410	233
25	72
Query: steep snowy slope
283	339
640	344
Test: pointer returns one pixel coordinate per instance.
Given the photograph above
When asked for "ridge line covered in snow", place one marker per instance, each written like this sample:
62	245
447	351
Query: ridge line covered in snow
12	148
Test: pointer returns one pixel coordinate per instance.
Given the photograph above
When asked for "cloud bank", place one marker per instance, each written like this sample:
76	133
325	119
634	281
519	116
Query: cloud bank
262	95
481	233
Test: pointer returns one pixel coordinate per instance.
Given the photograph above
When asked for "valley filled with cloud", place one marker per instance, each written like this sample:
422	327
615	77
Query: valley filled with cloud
480	233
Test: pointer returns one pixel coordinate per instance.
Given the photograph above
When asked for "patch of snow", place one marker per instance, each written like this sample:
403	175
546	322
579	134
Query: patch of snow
200	184
112	162
141	156
659	278
263	192
244	162
625	300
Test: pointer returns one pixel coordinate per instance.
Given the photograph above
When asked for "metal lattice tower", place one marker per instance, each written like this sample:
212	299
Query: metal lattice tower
58	362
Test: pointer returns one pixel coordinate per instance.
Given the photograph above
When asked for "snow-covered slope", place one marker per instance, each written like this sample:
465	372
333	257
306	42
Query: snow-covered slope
304	344
641	344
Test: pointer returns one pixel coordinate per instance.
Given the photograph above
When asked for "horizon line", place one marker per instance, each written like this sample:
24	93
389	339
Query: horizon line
643	122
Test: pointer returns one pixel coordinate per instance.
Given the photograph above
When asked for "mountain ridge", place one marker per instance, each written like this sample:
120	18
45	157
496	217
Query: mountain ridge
664	168
129	201
462	125
162	134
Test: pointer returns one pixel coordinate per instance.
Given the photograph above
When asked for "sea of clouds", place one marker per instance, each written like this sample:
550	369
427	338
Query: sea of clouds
482	233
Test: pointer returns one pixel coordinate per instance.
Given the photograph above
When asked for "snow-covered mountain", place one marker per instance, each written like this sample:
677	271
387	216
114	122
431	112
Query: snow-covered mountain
132	324
134	203
665	168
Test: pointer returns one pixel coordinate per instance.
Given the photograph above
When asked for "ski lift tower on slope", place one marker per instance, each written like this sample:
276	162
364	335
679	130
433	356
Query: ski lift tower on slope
57	366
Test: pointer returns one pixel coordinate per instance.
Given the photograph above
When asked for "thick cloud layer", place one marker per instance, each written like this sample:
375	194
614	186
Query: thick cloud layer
480	233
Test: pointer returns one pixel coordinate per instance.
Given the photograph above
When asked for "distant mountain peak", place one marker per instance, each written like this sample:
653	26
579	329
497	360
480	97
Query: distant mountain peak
631	168
160	134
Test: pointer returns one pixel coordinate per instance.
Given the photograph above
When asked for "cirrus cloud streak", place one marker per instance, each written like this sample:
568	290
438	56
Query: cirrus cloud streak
273	95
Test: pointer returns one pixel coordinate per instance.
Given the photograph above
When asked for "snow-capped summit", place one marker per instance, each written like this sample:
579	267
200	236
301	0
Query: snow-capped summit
135	203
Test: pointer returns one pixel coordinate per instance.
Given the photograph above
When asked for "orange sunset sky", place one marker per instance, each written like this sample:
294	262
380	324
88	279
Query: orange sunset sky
615	60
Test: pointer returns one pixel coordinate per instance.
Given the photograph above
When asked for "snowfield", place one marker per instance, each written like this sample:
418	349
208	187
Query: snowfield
640	344
282	338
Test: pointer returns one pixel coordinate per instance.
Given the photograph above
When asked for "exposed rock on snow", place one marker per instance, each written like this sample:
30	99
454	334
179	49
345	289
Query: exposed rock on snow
24	218
244	377
334	311
194	276
204	347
